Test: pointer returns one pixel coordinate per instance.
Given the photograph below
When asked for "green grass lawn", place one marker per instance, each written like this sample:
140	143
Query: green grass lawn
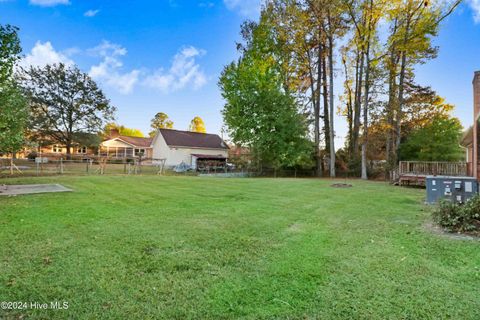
149	247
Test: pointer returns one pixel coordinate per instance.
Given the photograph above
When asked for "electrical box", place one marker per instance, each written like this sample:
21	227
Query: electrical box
456	189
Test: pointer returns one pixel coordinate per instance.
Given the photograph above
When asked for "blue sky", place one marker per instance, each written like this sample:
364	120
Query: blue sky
166	55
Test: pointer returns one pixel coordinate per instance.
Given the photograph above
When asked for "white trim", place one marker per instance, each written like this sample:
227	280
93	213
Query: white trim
118	139
130	144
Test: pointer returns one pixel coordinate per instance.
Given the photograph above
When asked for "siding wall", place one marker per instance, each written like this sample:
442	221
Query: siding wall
176	155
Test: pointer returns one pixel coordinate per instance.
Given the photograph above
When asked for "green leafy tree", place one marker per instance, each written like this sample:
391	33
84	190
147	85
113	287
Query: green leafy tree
13	107
160	121
437	140
13	118
259	112
65	101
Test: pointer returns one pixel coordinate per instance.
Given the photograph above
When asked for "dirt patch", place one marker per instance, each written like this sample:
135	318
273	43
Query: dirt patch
435	229
341	185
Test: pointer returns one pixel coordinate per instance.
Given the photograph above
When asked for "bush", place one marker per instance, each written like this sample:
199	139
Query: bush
459	217
471	214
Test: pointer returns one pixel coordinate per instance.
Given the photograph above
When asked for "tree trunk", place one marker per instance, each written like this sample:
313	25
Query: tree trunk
68	145
357	106
401	84
352	131
391	107
398	122
326	116
349	107
317	107
11	165
392	70
332	135
316	114
365	114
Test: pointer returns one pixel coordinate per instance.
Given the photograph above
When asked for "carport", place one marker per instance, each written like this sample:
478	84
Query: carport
208	162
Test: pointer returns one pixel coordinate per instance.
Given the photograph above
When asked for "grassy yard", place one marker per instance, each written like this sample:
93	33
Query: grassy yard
149	247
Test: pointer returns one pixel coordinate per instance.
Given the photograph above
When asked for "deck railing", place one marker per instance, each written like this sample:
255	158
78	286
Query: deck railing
425	168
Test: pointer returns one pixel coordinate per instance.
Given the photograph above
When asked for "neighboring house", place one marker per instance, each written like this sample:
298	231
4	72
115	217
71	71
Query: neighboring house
192	148
58	150
471	138
197	150
118	146
84	145
174	146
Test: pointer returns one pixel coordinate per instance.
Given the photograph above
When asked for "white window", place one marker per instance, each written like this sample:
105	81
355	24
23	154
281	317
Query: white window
140	152
82	150
56	148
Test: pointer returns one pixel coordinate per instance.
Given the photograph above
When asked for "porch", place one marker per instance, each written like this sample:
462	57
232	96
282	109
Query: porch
415	172
124	152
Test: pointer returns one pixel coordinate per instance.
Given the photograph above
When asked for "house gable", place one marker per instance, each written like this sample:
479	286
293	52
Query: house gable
116	143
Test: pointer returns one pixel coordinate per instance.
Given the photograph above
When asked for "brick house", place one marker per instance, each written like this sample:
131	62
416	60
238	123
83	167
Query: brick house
471	138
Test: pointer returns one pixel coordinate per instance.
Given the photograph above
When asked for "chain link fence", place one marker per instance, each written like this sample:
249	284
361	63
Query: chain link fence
104	166
133	166
87	166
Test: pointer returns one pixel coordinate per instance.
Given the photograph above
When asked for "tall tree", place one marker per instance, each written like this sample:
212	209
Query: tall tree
365	18
260	112
13	107
160	121
197	125
413	24
307	31
65	101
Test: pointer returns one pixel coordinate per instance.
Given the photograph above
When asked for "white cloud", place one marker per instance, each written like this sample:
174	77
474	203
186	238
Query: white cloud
247	8
183	72
91	13
43	54
108	70
475	6
48	3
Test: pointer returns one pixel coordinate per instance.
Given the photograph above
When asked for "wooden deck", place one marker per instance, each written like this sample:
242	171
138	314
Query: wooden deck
416	172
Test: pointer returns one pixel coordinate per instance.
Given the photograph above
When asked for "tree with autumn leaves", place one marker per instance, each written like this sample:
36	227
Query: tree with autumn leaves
197	125
379	72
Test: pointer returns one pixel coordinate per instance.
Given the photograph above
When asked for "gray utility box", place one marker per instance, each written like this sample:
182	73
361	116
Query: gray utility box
456	189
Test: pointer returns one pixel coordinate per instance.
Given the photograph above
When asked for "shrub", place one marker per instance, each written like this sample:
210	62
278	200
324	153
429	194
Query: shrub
471	214
447	215
459	217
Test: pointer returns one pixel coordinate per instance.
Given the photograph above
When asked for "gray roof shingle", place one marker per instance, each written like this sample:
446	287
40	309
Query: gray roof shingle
192	139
